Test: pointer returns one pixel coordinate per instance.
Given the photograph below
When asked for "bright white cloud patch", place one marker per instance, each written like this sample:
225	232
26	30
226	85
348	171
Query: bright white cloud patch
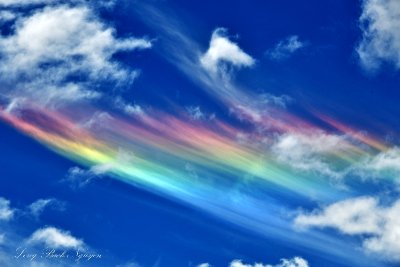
6	212
55	238
295	262
8	3
309	152
386	164
377	225
380	24
53	44
222	52
285	48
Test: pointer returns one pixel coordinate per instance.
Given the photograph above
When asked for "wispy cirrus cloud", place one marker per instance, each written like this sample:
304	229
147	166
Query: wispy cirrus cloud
78	177
6	212
37	207
380	41
285	48
376	224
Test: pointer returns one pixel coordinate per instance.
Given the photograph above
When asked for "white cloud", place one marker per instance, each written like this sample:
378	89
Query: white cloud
36	208
23	3
78	177
384	164
6	212
309	152
97	120
295	262
55	238
285	48
130	109
204	265
380	25
195	112
55	43
7	15
377	225
222	52
8	3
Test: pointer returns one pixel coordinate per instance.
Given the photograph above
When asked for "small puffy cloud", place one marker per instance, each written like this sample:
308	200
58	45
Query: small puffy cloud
295	262
380	41
286	48
352	216
377	225
223	53
204	265
128	108
6	212
36	208
55	238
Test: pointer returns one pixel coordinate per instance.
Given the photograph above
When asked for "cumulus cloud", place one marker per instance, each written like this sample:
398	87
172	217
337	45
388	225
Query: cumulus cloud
55	238
285	48
386	164
54	44
6	212
295	262
380	41
309	152
377	225
224	53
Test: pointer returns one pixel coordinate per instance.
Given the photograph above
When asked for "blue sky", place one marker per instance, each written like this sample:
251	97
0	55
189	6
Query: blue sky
182	133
